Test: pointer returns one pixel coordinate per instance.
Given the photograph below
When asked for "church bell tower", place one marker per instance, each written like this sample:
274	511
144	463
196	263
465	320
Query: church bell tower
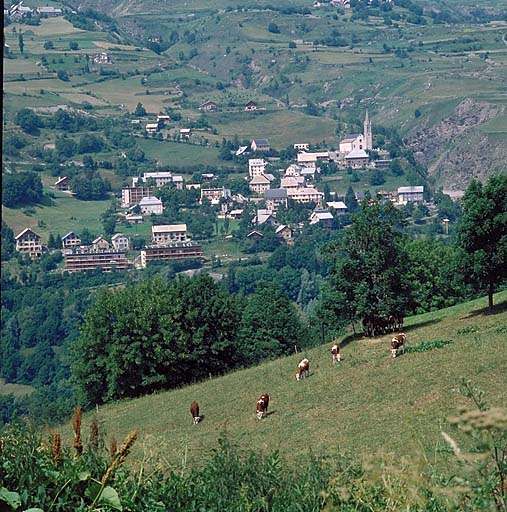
368	136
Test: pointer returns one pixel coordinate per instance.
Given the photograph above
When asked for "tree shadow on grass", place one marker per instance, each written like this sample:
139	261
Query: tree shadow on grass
359	336
501	307
45	201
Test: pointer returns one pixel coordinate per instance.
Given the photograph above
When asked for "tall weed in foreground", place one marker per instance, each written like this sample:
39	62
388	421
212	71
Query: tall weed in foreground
482	481
44	474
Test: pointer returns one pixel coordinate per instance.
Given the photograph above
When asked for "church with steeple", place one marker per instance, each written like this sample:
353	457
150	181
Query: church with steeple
358	141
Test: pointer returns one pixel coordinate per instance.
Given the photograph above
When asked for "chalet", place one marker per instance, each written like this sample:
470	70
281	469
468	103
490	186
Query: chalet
151	206
121	243
80	260
208	106
135	121
151	127
102	58
255	235
213	195
169	233
357	158
322	217
236	214
185	133
259	184
100	244
50	12
19	11
171	251
63	184
293	170
285	233
337	206
264	217
256	166
275	198
260	145
410	194
29	242
71	240
302	146
383	163
305	195
250	106
292	182
133	195
241	150
208	176
164	118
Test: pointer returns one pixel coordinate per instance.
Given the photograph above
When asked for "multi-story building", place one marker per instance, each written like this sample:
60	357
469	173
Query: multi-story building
133	195
172	251
410	194
259	184
357	158
275	198
256	167
151	206
169	233
29	242
305	195
213	195
83	260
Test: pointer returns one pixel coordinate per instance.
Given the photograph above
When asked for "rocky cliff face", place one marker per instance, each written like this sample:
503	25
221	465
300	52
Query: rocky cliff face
456	150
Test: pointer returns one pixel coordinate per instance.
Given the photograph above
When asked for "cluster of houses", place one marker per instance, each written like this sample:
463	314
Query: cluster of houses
169	242
18	11
295	184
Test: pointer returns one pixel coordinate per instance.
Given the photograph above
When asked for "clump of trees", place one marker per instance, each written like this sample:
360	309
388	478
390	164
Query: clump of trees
174	333
20	189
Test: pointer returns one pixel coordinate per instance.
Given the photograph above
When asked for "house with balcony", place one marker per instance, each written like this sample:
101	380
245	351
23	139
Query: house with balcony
29	242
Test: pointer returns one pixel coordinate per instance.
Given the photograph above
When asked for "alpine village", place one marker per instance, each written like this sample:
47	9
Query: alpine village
254	256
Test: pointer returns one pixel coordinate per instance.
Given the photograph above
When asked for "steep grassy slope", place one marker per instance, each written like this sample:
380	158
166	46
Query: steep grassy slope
368	403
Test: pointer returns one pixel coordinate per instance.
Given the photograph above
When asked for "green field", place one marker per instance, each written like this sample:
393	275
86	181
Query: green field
62	214
366	404
14	389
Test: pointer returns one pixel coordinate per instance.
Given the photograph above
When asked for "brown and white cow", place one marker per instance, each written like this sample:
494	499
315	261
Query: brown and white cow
335	352
262	405
194	411
397	342
303	369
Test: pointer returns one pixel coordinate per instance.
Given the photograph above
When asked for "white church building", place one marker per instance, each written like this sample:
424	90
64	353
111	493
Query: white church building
358	141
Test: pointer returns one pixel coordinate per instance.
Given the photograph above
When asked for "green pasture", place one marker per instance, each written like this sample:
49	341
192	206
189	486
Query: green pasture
368	403
60	214
180	154
14	389
281	127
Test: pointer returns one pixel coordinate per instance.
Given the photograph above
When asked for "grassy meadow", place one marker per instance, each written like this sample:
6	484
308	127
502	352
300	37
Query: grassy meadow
368	403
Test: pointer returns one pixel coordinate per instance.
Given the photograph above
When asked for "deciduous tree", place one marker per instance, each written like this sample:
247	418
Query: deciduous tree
483	233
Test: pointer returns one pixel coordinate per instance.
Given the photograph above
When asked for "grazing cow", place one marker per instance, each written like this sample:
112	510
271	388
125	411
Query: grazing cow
303	369
335	352
262	406
397	342
194	411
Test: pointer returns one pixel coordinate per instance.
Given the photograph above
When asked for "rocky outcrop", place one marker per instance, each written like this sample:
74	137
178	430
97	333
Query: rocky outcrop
455	150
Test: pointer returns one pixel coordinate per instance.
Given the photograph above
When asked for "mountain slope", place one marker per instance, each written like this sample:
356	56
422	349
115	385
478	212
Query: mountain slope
367	403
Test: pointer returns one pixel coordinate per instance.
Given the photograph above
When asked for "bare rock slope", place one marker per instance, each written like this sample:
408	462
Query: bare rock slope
456	150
